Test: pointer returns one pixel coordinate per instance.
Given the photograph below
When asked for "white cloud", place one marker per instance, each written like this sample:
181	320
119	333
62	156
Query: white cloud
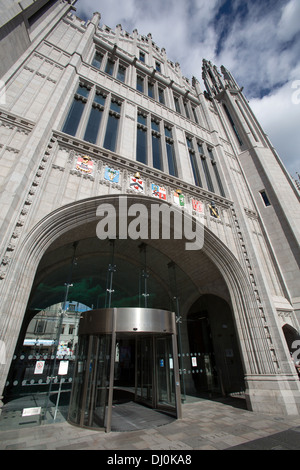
289	24
279	115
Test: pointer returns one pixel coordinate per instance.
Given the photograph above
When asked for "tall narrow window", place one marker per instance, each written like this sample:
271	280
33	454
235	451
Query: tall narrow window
112	126
95	117
109	67
209	183
121	73
156	146
216	171
194	163
150	90
187	111
161	96
177	104
97	61
141	142
170	152
140	83
265	198
142	56
195	115
233	125
72	122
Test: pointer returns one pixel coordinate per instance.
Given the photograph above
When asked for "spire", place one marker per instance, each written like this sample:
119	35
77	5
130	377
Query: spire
96	19
212	78
229	80
215	82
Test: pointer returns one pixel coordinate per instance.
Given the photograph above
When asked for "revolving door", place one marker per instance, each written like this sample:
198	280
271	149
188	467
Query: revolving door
124	352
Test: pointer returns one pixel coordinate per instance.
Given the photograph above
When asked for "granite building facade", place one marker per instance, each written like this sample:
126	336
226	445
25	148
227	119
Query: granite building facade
95	117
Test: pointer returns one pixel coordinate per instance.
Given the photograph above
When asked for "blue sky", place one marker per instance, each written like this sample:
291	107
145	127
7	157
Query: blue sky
257	40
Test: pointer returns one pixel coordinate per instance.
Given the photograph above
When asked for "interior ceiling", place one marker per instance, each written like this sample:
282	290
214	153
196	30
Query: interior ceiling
194	271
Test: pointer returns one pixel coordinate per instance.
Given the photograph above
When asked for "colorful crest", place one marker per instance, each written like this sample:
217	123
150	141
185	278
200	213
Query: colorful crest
137	184
84	164
178	198
213	210
197	206
111	175
159	192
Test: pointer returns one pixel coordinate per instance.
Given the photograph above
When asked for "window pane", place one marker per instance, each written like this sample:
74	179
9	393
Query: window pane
111	133
200	148
265	198
168	132
140	84
97	61
121	73
156	150
114	106
195	170
207	175
150	90
73	118
141	146
161	96
195	115
233	125
83	91
142	119
177	105
189	143
171	159
187	113
109	67
100	99
93	125
221	189
155	126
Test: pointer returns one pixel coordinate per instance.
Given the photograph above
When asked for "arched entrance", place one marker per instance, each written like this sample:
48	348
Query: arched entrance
142	277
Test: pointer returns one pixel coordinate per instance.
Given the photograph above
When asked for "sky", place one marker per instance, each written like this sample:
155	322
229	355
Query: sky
258	41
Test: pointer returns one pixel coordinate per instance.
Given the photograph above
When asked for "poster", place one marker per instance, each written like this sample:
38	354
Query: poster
63	367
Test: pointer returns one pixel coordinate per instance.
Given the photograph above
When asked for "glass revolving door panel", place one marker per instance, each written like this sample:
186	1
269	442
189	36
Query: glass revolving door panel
124	351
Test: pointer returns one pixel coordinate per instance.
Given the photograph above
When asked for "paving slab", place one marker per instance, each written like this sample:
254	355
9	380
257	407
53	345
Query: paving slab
205	425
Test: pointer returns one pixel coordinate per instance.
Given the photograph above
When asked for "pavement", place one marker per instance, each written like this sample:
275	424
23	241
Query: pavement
205	425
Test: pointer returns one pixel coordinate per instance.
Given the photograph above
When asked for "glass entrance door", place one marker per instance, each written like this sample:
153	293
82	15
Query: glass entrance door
116	365
144	370
155	380
164	374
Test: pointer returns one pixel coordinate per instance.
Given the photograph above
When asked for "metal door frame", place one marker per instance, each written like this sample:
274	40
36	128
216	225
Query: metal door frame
133	321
